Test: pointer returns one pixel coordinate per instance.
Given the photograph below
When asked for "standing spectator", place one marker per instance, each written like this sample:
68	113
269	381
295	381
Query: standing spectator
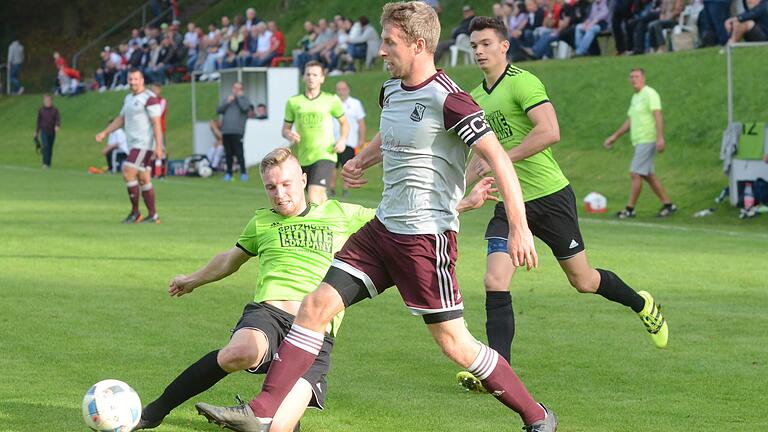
364	41
595	23
463	28
647	132
250	18
234	111
716	12
752	24
135	38
226	26
15	60
48	123
316	148
153	67
140	117
670	10
116	150
190	41
355	114
622	25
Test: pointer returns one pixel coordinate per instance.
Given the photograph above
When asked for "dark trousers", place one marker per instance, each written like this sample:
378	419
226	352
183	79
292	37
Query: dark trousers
620	23
233	146
641	28
656	31
115	160
15	83
715	13
46	144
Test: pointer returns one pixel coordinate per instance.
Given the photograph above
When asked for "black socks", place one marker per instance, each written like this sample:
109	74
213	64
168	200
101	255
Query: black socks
500	322
614	289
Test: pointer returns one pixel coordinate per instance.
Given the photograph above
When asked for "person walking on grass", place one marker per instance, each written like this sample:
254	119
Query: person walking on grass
646	126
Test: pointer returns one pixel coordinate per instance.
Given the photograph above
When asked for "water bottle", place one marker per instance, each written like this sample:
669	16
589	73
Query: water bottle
749	197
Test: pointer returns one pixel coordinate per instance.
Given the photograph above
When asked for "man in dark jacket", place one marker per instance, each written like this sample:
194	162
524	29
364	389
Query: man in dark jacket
752	24
463	28
234	111
48	123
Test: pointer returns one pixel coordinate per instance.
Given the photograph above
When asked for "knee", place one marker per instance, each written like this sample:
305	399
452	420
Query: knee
584	283
456	351
238	357
317	309
494	282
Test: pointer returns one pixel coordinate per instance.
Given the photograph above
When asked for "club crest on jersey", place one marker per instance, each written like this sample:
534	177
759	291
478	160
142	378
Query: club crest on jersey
418	112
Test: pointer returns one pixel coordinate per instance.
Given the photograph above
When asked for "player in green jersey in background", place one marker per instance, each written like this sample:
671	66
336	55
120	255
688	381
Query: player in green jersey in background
311	115
518	109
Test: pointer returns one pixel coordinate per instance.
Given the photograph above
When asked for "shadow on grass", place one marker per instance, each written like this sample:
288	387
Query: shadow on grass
17	416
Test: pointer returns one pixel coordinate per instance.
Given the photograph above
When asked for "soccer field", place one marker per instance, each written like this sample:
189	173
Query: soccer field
84	299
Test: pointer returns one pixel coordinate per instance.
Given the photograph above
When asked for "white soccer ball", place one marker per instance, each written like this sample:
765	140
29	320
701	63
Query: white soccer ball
111	405
595	203
205	171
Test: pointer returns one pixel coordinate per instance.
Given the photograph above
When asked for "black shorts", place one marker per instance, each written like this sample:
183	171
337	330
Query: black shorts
756	34
345	156
275	324
319	173
551	218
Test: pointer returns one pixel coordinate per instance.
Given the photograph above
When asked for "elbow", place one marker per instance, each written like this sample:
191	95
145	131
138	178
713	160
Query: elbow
554	136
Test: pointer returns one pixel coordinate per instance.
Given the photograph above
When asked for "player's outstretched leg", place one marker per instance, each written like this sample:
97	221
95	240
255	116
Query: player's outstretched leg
610	286
196	379
494	372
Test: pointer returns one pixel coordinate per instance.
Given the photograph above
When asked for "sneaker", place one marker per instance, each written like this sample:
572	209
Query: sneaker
626	213
654	321
152	219
133	218
549	424
667	210
470	382
227	177
238	418
146	424
243	177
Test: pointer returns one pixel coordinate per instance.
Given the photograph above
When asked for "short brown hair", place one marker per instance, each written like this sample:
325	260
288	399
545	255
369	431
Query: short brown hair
314	63
641	70
416	20
485	22
275	158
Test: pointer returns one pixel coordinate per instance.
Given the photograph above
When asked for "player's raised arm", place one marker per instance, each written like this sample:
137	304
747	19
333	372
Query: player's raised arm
368	157
521	247
221	266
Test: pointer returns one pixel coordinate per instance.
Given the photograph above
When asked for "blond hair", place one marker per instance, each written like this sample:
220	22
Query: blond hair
275	158
416	20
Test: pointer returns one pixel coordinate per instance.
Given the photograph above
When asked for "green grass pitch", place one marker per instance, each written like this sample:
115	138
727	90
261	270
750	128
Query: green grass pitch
84	299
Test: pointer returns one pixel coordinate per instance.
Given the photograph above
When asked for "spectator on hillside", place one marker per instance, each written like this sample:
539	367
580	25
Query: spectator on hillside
135	38
565	22
230	60
152	68
752	24
190	41
277	45
165	62
213	32
518	20
579	10
48	123
116	150
250	48
363	41
535	21
264	51
622	25
251	19
237	40
324	38
669	12
306	41
69	81
136	60
649	11
226	27
339	59
498	12
105	74
176	38
58	62
15	61
462	29
434	4
596	22
715	13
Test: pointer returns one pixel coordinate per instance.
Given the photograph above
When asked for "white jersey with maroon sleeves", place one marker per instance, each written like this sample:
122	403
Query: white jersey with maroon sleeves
426	134
138	111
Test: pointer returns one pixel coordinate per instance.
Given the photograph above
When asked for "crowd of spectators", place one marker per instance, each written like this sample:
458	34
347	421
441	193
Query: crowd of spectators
342	45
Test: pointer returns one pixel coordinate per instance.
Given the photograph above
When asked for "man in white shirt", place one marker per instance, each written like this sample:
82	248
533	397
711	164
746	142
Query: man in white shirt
353	110
116	150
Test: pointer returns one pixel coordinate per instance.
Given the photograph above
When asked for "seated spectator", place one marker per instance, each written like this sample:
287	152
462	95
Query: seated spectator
340	60
579	11
462	28
498	12
165	60
135	38
565	21
251	19
648	12
226	27
154	60
535	22
325	37
69	81
230	60
277	45
669	12
261	112
363	42
237	39
714	15
596	22
190	42
265	50
250	48
518	20
752	24
116	150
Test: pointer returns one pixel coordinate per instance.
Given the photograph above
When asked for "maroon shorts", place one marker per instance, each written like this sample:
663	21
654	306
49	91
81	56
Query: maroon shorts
422	266
140	158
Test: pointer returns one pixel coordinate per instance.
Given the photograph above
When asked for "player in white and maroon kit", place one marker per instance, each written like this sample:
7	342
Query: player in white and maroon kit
140	118
428	125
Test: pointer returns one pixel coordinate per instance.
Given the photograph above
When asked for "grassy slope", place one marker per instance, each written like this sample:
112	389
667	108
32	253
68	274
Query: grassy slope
591	96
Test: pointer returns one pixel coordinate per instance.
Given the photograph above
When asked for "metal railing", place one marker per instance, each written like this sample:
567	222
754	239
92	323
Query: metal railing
140	10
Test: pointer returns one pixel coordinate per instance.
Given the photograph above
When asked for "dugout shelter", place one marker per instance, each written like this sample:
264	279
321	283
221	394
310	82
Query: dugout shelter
270	86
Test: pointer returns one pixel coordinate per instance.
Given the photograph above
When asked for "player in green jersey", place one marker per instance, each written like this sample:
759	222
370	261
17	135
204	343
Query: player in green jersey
311	115
295	242
518	109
